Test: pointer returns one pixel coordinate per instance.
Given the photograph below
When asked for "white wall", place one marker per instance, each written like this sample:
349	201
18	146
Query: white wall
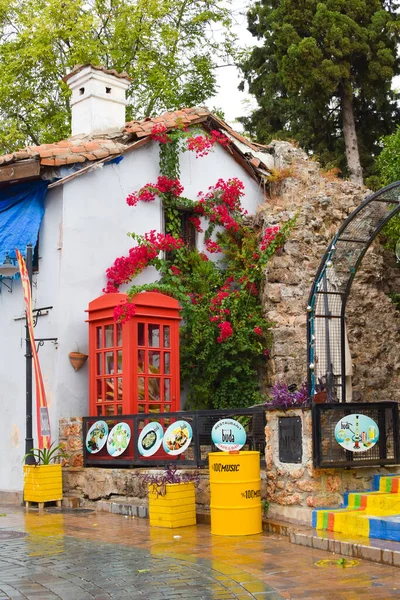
83	231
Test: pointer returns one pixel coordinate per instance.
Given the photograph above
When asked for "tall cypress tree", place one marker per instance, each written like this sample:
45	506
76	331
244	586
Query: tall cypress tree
323	76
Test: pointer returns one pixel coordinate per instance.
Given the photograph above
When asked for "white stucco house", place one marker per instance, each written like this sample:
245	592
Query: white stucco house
82	228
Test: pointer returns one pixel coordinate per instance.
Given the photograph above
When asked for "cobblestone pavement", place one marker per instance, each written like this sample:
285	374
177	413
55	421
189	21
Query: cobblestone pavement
86	556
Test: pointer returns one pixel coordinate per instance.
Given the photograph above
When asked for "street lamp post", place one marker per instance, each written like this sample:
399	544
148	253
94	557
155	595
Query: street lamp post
29	460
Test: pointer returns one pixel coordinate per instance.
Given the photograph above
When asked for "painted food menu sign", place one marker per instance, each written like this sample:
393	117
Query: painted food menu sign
357	433
228	435
150	439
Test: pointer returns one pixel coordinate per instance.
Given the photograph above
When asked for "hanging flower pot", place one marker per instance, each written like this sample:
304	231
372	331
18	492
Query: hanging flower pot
77	360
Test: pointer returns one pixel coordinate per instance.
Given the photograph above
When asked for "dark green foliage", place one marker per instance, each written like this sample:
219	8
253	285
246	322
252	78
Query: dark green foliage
312	53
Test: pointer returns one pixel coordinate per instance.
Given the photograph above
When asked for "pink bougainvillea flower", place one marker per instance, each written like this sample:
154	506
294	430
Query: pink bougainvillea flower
257	330
225	331
124	311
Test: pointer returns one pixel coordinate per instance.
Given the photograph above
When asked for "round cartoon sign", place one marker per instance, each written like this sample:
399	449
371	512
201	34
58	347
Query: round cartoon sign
177	438
357	433
228	435
96	437
150	439
119	439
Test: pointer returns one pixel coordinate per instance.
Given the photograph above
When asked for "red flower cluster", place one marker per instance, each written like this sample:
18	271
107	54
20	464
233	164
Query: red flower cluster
257	330
197	223
169	186
148	192
221	204
124	311
203	144
269	236
212	247
175	270
225	331
159	133
139	257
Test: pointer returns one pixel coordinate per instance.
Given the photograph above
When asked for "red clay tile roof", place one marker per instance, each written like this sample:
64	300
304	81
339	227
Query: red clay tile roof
83	148
78	68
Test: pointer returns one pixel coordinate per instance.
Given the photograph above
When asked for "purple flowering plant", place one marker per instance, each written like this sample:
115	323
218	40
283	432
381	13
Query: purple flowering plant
288	396
158	482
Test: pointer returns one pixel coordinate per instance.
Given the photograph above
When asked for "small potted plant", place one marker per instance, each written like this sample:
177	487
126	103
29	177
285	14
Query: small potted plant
320	392
172	499
43	479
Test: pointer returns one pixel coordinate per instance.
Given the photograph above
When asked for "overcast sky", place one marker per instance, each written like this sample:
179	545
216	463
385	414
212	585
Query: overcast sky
229	99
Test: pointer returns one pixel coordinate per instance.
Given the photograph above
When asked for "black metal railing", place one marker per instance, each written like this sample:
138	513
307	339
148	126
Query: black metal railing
196	455
327	450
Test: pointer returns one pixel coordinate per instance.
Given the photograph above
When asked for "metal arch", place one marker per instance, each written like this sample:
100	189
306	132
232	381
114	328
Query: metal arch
326	310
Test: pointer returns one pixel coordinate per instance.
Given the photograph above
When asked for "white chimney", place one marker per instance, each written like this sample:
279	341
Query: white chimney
98	99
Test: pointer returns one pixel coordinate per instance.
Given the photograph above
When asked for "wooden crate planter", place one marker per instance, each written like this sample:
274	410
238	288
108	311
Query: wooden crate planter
176	509
42	483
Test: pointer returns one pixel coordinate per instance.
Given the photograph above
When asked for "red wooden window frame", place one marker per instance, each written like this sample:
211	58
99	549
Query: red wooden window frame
134	368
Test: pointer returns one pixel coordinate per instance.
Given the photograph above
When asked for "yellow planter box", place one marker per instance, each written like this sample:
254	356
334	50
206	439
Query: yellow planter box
42	483
176	509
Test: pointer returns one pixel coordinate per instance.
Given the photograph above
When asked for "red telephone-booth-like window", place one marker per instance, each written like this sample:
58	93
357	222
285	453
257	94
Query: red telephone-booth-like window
134	367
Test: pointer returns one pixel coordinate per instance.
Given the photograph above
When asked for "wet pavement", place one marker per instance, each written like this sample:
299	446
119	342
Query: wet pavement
101	556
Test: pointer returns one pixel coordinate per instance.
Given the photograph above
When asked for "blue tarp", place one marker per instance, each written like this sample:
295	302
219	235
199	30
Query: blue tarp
21	213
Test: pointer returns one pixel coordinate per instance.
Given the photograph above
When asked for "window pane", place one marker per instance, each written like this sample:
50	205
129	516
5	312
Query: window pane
99	411
154	336
119	358
109	390
154	362
141	408
109	336
154	408
140	334
141	388
119	409
167	386
154	388
110	410
119	389
99	385
99	365
109	356
167	341
167	408
119	334
141	361
167	357
98	337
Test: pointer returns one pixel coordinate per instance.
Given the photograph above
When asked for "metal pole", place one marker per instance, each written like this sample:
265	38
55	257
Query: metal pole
28	361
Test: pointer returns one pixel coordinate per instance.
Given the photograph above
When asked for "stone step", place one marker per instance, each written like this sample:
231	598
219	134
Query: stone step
128	509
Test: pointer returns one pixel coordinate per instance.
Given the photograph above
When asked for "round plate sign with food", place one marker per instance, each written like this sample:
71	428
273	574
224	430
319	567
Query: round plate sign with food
357	433
177	438
150	439
228	435
119	439
96	437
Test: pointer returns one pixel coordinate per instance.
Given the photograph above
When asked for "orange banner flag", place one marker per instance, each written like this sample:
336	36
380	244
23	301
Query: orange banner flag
42	415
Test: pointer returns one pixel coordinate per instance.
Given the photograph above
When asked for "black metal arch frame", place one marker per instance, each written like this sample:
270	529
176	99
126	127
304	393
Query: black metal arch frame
326	310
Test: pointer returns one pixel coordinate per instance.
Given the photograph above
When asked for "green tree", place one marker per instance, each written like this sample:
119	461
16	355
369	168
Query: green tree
166	46
323	76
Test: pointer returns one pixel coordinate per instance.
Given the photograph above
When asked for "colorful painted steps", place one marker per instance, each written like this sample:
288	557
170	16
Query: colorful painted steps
374	514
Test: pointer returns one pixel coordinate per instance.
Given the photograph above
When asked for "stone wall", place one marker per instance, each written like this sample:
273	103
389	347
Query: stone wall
293	490
323	203
70	436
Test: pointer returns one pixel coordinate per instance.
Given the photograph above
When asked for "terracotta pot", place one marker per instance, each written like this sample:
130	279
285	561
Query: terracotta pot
320	397
77	360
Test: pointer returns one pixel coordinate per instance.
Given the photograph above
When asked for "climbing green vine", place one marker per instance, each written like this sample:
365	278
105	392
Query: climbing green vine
225	336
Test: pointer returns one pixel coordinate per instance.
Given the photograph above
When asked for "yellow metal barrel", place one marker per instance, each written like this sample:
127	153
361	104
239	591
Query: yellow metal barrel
235	493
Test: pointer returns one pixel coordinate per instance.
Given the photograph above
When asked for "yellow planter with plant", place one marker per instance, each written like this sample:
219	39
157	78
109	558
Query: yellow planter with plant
172	498
43	479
